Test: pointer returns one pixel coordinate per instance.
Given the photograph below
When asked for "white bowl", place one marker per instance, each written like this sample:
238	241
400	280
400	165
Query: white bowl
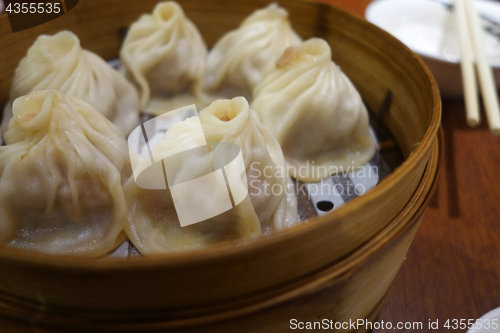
429	29
489	323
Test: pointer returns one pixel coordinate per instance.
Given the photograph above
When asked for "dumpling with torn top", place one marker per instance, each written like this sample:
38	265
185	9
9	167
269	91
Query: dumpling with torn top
61	176
242	57
164	54
58	62
315	112
226	177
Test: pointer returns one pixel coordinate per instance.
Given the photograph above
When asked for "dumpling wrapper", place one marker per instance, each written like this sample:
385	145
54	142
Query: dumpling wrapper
58	62
315	112
61	176
165	54
242	57
154	227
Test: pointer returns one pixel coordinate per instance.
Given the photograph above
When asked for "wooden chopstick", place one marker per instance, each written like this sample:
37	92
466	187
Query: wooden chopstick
467	66
485	72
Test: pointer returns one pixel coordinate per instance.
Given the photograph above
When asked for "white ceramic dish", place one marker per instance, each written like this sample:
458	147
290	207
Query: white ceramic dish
489	323
429	29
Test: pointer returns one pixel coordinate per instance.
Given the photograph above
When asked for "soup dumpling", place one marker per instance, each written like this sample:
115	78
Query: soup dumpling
271	203
165	54
58	62
242	57
315	112
61	176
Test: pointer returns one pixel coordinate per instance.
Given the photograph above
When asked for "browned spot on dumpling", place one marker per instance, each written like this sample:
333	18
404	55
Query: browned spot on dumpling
223	117
26	118
288	58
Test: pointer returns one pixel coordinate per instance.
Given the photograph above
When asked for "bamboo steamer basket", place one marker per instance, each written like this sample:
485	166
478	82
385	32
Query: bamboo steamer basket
351	289
202	284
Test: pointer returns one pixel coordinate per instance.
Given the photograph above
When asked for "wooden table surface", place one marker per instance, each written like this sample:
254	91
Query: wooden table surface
452	270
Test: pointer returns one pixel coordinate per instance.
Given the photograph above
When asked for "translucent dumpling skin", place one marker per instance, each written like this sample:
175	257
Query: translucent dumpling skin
165	54
271	203
58	62
61	176
242	57
315	112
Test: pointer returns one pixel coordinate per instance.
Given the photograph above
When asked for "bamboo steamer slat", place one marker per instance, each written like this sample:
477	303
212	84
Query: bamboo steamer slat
192	283
352	289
